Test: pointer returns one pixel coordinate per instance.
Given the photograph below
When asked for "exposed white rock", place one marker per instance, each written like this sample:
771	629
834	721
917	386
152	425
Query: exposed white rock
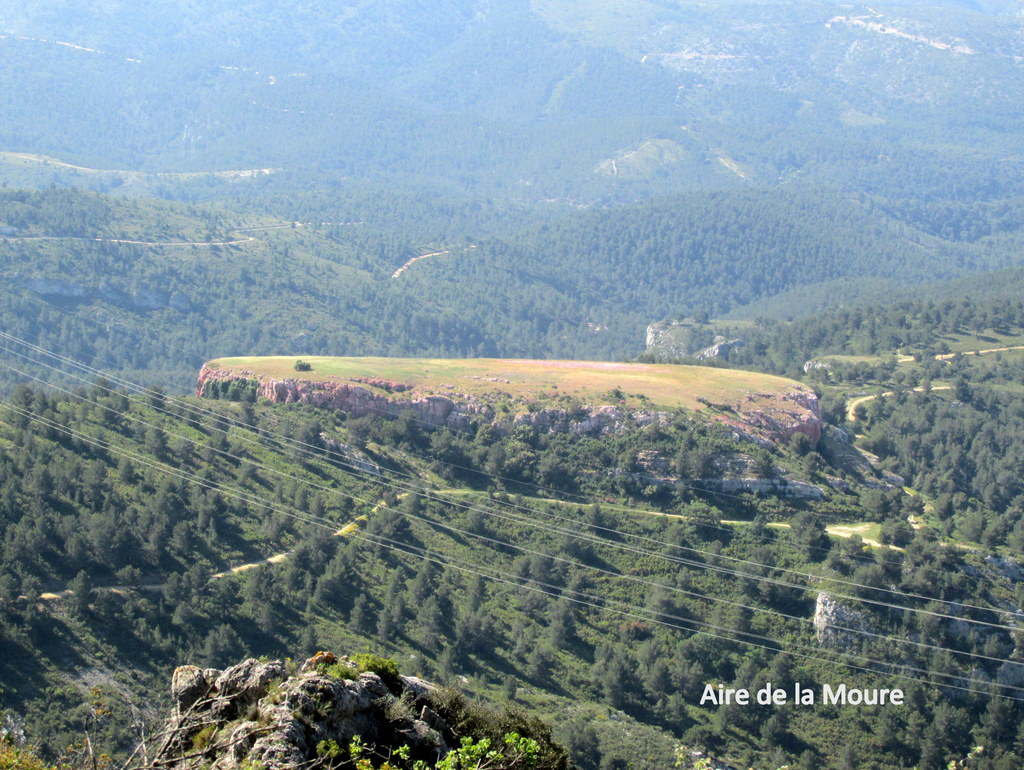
835	625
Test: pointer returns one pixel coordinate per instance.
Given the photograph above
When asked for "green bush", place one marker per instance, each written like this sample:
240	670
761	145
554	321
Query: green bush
470	718
204	738
13	758
385	668
338	670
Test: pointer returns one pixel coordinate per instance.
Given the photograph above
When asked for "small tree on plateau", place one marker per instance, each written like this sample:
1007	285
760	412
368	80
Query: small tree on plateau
303	366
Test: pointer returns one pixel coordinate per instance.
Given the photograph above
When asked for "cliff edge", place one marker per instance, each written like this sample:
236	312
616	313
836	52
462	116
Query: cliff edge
577	396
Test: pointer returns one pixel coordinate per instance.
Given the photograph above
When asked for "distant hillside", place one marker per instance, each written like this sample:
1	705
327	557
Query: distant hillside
941	321
154	288
532	100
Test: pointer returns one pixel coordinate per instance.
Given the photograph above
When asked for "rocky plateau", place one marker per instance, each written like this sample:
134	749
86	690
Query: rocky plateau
764	418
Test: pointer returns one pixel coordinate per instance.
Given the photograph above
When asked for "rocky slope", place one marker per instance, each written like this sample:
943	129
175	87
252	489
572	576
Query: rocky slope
836	625
267	715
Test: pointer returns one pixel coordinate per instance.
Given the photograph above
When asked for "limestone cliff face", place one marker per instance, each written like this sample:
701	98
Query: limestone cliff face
734	476
670	339
357	400
598	420
764	418
779	419
718	350
835	625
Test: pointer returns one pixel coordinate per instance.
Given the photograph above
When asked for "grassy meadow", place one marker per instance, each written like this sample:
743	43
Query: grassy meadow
663	385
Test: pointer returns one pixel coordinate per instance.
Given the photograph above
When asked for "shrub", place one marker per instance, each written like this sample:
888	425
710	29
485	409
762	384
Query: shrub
340	671
303	366
385	668
510	727
204	738
13	758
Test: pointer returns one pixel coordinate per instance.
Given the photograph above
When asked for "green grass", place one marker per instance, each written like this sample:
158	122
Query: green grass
983	340
843	359
661	385
868	531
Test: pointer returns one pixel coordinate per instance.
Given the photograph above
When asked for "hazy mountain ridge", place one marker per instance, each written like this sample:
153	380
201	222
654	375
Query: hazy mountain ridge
789	92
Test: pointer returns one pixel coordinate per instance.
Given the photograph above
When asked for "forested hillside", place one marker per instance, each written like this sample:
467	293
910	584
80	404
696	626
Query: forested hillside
436	548
932	387
156	288
990	316
828	192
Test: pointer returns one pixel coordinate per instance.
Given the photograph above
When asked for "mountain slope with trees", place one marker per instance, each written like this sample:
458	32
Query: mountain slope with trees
155	288
580	599
531	100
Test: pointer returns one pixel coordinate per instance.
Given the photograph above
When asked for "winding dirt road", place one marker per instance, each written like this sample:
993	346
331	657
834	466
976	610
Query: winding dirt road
410	262
852	405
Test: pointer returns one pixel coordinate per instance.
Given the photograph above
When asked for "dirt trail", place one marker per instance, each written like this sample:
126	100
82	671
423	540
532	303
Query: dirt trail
233	242
409	263
44	160
349	529
849	530
948	356
275	559
851	406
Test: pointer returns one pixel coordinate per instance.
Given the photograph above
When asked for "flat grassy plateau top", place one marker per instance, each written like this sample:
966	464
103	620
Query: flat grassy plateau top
664	385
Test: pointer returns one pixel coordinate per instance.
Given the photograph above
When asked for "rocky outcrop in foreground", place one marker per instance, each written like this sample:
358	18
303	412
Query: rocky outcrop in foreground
258	714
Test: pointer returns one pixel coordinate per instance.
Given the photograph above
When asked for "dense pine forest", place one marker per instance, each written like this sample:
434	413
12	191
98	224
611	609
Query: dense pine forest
554	572
609	610
152	289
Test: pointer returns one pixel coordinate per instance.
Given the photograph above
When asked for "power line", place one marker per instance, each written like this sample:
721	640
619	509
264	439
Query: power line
570	533
576	534
296	442
559	592
581	499
319	522
432	522
309	518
